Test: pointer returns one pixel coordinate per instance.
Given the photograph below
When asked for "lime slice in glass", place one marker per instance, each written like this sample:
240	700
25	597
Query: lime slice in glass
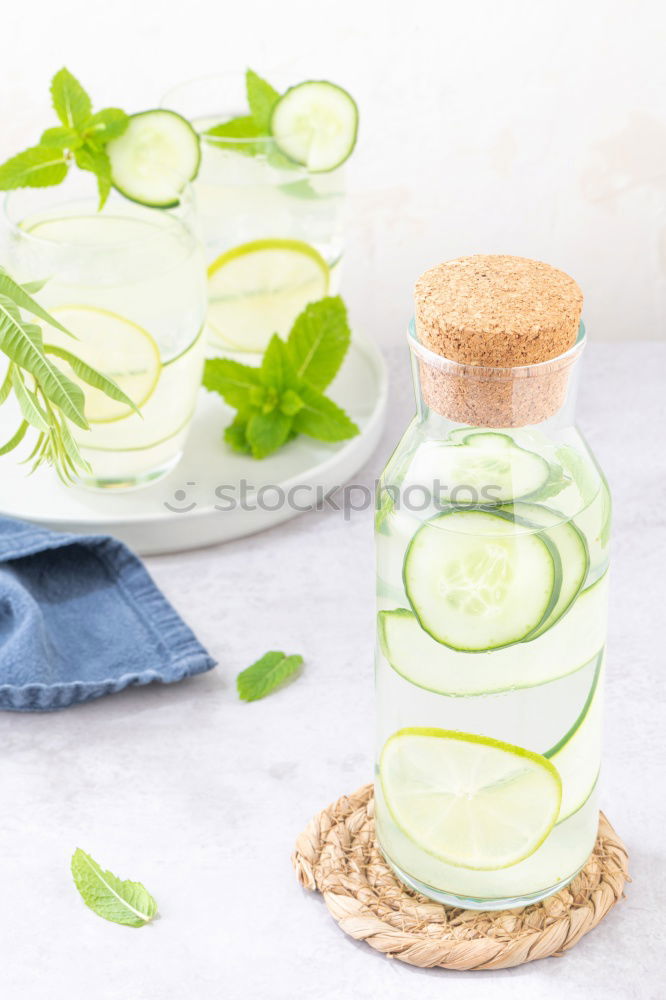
114	346
259	288
470	801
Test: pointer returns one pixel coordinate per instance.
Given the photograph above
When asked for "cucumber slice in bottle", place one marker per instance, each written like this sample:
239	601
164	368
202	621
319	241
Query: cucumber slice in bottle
570	645
573	551
485	468
469	800
477	581
576	755
157	154
315	124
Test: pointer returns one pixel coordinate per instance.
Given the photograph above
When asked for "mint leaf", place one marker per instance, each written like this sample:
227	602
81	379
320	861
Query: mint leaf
261	98
266	432
106	125
291	402
235	435
231	379
61	137
266	674
40	166
122	902
319	340
70	101
321	418
237	128
277	370
96	160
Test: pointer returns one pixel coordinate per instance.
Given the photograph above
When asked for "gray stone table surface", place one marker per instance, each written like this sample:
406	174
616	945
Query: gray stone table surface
201	796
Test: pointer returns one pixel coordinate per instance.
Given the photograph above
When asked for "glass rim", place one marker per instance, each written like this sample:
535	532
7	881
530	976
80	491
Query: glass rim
171	213
468	369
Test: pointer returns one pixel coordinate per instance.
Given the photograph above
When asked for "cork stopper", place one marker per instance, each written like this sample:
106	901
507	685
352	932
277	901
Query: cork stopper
495	317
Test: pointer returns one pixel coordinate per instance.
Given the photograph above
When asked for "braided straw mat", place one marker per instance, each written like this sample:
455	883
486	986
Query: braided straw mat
337	854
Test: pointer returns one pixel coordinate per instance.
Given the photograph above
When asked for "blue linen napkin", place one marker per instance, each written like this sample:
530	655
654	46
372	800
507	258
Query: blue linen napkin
80	617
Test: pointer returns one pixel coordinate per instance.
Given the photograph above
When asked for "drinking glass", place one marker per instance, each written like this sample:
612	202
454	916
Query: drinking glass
129	283
272	230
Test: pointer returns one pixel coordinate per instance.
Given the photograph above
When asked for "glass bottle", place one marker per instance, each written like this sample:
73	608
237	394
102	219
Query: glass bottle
492	543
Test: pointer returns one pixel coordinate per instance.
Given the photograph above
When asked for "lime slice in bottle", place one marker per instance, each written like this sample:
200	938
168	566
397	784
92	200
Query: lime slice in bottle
470	801
114	346
259	288
315	124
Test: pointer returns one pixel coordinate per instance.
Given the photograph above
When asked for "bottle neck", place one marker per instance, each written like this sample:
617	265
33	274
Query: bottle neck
450	394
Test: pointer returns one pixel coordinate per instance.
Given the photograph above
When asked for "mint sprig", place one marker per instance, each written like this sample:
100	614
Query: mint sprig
261	97
283	397
80	138
121	902
268	673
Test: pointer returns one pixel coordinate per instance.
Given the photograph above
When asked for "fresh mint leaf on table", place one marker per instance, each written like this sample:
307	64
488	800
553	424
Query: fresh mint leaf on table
47	398
80	138
283	396
266	674
122	902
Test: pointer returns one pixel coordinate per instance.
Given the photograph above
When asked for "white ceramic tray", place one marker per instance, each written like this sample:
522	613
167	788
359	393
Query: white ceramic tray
183	510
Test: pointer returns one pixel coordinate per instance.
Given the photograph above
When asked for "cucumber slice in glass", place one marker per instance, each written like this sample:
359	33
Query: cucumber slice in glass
315	124
477	581
570	645
469	800
157	154
573	551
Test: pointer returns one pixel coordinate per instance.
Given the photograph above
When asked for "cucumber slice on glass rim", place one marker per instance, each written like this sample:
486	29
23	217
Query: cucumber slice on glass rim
315	124
154	158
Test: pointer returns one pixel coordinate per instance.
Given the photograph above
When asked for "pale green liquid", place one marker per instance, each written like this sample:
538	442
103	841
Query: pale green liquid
534	716
151	274
242	198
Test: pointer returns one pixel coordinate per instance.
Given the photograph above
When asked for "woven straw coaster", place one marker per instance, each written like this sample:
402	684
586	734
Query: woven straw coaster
337	854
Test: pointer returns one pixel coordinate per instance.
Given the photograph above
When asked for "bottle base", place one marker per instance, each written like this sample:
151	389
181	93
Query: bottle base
473	902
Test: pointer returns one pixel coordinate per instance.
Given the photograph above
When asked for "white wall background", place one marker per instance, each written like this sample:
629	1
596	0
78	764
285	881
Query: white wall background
519	126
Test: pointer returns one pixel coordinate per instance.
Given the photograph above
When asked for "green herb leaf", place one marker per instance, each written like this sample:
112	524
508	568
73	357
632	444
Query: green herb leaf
321	418
122	902
235	435
15	439
96	160
233	380
61	137
90	375
261	98
266	432
106	125
277	370
319	341
266	674
21	344
20	296
238	128
70	101
40	166
291	402
28	403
